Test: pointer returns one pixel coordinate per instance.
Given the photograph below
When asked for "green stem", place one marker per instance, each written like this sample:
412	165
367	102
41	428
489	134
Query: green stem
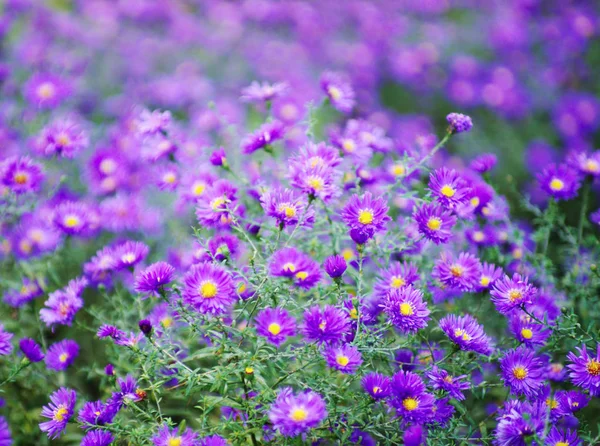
584	205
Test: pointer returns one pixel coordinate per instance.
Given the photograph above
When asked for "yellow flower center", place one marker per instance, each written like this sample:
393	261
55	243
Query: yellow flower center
354	313
447	191
166	322
460	333
302	275
169	178
174	441
376	389
434	223
365	217
348	254
322	326
208	290
60	413
475	202
406	309
274	328
348	145
485	281
287	210
128	258
551	403
71	221
298	414
410	403
198	189
397	282
249	370
557	185
519	372
25	246
46	90
562	443
342	360
21	178
63	139
289	267
592	166
556	367
63	357
398	170
478	236
593	367
448	379
217	203
316	183
514	295
334	92
527	333
456	270
517	253
108	166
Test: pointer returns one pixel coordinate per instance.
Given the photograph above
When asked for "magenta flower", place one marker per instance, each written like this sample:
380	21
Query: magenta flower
209	289
434	222
75	218
45	90
459	123
397	276
63	137
154	278
6	347
410	398
62	305
523	372
466	333
287	207
346	358
510	293
339	91
291	263
313	171
377	385
406	309
129	254
264	92
62	354
584	370
335	266
448	187
215	205
366	213
560	181
21	175
59	411
462	273
293	415
170	437
484	162
276	325
97	438
441	380
488	277
325	326
264	136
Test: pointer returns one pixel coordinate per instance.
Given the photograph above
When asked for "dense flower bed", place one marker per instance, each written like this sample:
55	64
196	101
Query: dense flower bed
190	257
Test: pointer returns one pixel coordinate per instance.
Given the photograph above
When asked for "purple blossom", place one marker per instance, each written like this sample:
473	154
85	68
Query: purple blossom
462	272
560	181
466	333
169	437
209	289
154	278
448	187
62	354
522	372
377	385
409	397
510	293
325	326
293	415
339	91
6	347
59	411
434	222
441	380
31	350
335	266
21	175
346	358
406	309
276	325
264	136
459	123
97	438
365	213
584	370
264	92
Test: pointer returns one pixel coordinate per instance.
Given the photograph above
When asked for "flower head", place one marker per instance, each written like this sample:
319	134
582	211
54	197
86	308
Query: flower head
75	218
584	370
406	309
294	264
154	278
488	277
484	162
287	207
325	326
563	437
448	187
293	415
466	333
62	354
264	136
409	397
130	253
523	372
216	205
397	276
459	123
59	411
346	358
339	91
462	273
365	213
21	175
5	346
62	305
209	289
31	350
441	380
264	92
335	266
560	181
377	385
172	437
5	437
276	325
63	137
97	438
434	222
45	90
510	293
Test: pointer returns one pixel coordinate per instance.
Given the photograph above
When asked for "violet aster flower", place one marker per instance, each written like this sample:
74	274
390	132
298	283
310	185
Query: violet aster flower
153	122
264	136
586	163
129	254
397	276
28	291
74	218
339	91
313	171
459	123
21	175
466	333
170	437
31	350
441	380
6	347
527	331
62	354
287	207
335	266
365	213
434	222
560	181
154	278
276	325
97	438
209	289
62	305
95	413
213	440
571	401
223	246
5	437
595	217
409	397
218	157
325	326
489	275
45	90
264	92
293	415
216	204
110	331
59	411
563	437
510	293
291	263
377	385
346	358
415	435
167	178
448	187
99	268
519	422
406	309
584	370
461	273
63	137
442	412
523	372
484	162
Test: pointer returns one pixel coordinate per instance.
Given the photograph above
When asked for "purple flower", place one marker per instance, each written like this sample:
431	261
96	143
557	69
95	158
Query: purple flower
153	122
448	187
339	91
335	266
100	267
595	217
212	440
170	437
21	175
377	385
291	263
45	90
218	157
508	294
345	358
110	331
97	438
562	437
293	415
434	222
5	437
129	254
406	309
397	276
313	171
96	413
287	207
154	278
527	331
560	181
209	289
59	411
441	380
264	92
62	354
586	163
325	326
484	162
409	397
366	213
215	205
264	136
31	350
63	305
466	333
63	137
584	370
415	435
523	372
519	422
74	218
571	401
462	273
275	324
5	346
489	275
459	123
